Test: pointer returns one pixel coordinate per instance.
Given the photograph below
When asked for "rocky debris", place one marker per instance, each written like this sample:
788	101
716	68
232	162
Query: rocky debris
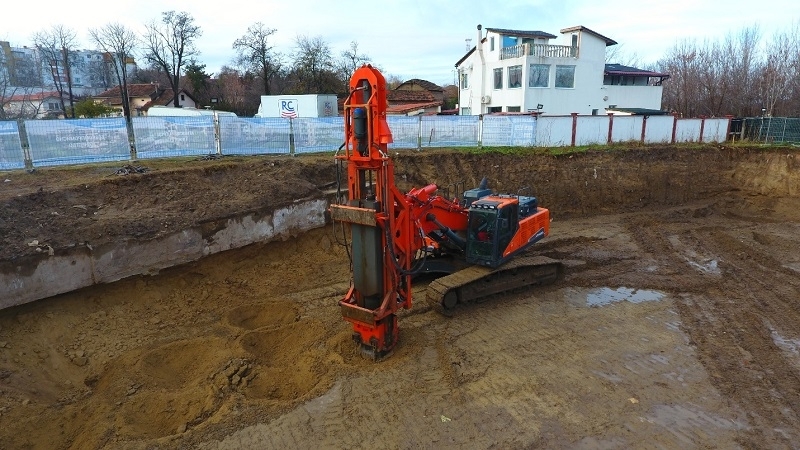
129	169
41	247
78	357
237	373
132	389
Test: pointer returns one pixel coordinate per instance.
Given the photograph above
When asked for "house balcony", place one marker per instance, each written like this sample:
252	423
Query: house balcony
541	50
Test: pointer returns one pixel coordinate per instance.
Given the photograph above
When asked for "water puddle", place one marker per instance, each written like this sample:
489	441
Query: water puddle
605	296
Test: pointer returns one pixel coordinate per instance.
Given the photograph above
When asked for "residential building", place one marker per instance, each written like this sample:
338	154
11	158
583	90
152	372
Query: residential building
143	96
517	71
34	105
91	71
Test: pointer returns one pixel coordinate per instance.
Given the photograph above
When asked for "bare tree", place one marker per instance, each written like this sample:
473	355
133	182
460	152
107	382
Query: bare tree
56	46
777	78
119	43
351	60
254	53
616	54
314	67
170	45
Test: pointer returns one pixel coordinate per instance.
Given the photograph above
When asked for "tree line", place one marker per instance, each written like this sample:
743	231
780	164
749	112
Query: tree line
167	49
742	74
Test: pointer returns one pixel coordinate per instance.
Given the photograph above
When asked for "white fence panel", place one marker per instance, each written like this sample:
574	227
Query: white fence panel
449	131
11	154
318	134
554	131
688	130
627	128
57	142
158	137
659	129
405	131
517	131
253	135
716	130
591	130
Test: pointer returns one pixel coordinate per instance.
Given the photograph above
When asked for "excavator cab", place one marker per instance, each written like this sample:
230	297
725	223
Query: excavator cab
493	221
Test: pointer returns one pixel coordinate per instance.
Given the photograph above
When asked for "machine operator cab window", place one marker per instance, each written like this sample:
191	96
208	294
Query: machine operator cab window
492	223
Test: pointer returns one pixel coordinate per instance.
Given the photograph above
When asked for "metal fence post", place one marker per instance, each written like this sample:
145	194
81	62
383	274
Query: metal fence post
480	131
291	136
217	138
25	144
131	136
419	132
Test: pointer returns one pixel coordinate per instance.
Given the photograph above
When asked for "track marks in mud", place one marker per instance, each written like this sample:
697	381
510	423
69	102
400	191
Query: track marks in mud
736	292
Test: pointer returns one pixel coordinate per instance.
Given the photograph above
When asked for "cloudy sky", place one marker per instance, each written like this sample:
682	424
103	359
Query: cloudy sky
420	38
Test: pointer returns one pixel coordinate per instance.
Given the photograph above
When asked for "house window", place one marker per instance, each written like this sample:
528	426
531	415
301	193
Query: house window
182	97
514	109
515	76
466	111
498	78
565	76
53	106
539	75
464	81
491	44
495	109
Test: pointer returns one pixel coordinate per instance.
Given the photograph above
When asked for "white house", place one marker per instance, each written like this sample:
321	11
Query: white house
515	71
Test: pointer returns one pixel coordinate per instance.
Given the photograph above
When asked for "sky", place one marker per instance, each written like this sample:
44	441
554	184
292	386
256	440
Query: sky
421	38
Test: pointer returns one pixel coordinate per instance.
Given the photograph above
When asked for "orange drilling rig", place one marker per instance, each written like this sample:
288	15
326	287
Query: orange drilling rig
475	242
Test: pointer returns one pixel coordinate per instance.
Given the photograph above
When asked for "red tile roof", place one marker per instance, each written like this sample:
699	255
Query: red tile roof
425	84
134	90
34	96
404	96
410	107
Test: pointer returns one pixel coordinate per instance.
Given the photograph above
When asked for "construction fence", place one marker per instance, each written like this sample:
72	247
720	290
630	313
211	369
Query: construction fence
768	130
38	143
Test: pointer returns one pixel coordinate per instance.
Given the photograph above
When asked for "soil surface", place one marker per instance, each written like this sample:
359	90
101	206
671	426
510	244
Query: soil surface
677	324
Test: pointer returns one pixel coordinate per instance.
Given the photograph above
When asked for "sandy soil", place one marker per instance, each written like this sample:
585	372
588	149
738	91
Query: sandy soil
677	324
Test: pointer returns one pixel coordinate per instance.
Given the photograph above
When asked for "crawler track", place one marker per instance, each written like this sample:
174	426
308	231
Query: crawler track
476	282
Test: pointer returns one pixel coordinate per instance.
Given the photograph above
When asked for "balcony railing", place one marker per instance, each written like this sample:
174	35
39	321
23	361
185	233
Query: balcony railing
542	50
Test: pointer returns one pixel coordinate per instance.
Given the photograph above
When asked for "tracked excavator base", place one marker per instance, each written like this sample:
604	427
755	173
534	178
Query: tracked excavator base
476	282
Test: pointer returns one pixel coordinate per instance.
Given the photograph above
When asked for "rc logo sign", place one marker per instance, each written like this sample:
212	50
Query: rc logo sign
288	108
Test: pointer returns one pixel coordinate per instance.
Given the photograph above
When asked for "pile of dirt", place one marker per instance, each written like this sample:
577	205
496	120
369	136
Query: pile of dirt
94	205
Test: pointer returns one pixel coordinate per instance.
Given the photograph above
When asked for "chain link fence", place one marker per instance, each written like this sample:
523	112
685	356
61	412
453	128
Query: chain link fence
767	129
38	143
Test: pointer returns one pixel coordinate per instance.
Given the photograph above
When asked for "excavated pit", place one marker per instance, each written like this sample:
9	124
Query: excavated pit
677	323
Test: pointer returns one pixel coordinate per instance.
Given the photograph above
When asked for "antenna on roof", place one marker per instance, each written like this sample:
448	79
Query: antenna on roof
468	41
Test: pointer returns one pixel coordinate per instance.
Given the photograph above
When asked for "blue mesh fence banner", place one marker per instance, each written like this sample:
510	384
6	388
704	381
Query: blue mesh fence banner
321	134
254	136
11	154
519	131
405	131
158	137
449	131
57	142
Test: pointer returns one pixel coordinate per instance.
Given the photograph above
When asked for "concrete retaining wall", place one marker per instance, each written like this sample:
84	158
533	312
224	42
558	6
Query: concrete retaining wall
40	276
